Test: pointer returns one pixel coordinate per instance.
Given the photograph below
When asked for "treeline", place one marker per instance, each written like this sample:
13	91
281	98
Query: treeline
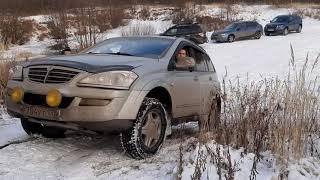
31	7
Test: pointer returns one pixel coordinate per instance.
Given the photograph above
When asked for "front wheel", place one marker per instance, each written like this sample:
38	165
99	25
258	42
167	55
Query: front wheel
230	38
148	132
285	32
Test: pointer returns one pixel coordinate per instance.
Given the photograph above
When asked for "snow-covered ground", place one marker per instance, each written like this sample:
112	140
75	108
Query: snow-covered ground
100	157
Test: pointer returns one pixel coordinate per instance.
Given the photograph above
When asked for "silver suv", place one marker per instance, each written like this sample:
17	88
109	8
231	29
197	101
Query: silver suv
130	85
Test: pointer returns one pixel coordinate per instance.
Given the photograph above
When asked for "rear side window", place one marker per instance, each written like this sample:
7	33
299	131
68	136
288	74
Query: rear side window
241	26
210	64
196	29
201	64
251	25
183	30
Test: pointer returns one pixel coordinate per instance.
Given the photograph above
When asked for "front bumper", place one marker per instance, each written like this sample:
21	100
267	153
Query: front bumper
219	38
273	31
120	104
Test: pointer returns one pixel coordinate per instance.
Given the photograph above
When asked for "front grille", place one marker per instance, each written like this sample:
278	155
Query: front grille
271	26
40	100
50	75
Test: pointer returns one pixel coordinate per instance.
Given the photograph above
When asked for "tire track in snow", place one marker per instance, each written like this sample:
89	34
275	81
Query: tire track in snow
17	142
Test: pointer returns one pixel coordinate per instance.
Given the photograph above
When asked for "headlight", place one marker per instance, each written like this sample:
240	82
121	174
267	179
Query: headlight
17	73
280	27
111	79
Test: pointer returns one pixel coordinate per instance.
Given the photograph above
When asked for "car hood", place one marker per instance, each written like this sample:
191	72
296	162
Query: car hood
93	62
221	32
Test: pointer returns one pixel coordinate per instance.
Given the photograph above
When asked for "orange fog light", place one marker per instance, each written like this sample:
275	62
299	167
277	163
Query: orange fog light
54	98
17	94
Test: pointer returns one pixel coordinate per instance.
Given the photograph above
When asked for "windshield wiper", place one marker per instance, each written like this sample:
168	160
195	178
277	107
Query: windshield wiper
117	53
120	53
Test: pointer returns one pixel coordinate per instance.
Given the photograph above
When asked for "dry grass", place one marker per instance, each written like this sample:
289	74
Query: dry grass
273	114
308	12
138	29
298	5
5	72
277	115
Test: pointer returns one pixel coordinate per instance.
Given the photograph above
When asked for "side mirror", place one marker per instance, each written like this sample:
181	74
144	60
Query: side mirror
185	64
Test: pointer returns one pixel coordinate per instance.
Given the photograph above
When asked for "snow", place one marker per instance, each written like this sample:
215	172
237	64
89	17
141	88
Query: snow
80	156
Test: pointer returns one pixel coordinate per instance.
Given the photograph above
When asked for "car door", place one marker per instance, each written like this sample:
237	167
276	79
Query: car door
185	87
291	24
251	28
241	30
207	78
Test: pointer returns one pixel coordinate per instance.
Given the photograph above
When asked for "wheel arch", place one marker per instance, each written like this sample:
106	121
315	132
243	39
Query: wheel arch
163	95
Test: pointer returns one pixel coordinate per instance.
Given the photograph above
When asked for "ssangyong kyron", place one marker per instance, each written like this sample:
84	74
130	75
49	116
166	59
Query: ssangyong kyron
138	86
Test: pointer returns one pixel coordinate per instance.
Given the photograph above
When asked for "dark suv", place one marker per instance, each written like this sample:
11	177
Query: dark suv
283	25
192	32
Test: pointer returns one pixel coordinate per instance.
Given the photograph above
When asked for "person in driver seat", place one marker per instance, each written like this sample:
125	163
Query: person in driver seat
183	60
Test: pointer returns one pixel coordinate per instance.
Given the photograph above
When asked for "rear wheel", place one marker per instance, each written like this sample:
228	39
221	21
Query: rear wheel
231	38
148	132
257	35
32	128
299	29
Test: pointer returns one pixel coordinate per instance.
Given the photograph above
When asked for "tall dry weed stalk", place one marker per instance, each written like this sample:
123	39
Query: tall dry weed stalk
279	115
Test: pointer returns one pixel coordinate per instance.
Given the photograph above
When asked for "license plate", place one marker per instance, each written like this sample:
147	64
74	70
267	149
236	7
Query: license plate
40	112
270	29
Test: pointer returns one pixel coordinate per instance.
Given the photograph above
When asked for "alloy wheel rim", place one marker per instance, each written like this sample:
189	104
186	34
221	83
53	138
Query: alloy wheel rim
257	35
230	38
151	130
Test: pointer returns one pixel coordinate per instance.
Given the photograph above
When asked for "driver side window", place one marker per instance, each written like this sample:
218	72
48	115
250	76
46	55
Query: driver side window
183	60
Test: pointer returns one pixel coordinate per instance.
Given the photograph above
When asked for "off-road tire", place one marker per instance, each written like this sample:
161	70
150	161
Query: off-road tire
231	38
131	139
33	128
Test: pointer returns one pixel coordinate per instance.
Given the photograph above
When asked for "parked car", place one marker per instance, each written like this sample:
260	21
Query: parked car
283	25
192	32
238	30
130	85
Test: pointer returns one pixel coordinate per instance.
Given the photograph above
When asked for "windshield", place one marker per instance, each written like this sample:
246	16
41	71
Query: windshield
280	19
231	26
141	47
